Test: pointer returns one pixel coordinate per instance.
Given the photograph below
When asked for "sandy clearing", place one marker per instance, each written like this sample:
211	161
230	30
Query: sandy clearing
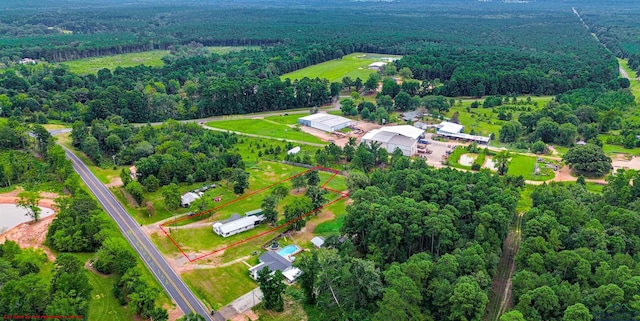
115	182
467	159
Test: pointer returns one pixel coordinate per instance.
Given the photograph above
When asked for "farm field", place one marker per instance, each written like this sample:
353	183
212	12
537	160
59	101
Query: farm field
255	150
265	128
354	65
148	58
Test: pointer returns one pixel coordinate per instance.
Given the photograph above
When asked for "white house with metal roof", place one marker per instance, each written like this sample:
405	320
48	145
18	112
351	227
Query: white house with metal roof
188	198
237	224
326	122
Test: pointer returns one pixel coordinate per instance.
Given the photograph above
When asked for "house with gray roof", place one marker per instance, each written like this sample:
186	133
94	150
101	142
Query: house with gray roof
274	262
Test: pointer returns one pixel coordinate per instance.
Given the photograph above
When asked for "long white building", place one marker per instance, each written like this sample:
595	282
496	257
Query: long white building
326	122
404	137
237	224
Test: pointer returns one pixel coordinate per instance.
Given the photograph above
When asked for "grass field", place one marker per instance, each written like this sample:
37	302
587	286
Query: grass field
333	226
354	65
265	127
92	65
148	58
218	287
103	304
524	165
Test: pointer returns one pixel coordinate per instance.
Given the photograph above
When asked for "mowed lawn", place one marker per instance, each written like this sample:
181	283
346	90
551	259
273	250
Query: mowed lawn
354	65
524	165
103	304
218	287
265	128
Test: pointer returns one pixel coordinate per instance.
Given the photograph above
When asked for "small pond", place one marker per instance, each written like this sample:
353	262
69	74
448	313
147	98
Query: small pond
11	215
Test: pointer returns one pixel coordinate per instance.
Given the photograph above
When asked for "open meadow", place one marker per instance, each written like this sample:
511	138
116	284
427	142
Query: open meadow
354	65
151	58
267	128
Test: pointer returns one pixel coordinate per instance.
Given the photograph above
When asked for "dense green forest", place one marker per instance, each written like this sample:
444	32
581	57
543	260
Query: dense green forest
579	254
583	113
422	244
616	27
494	49
416	243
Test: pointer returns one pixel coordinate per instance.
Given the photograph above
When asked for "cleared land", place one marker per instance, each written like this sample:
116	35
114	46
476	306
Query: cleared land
524	165
354	65
265	127
148	58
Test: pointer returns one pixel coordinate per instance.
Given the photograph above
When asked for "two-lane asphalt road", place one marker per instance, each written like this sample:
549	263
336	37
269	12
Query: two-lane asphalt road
170	281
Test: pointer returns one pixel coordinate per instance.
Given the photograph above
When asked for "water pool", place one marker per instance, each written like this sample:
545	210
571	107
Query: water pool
11	215
288	250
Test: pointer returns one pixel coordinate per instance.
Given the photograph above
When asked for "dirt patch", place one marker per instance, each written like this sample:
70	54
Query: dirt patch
298	192
174	312
340	141
564	175
306	233
115	182
467	159
488	163
248	315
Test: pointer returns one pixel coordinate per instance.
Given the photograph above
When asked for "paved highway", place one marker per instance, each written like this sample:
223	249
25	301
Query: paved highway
170	281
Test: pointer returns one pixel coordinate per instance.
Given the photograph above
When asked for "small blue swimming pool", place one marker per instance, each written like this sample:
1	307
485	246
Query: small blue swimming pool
288	250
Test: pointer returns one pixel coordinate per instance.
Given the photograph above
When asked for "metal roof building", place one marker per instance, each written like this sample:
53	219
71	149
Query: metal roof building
404	137
453	130
228	228
326	122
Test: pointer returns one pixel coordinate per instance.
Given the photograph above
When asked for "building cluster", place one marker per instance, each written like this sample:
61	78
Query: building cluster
404	137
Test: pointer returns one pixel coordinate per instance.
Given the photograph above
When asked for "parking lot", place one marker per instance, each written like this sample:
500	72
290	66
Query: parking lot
439	150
